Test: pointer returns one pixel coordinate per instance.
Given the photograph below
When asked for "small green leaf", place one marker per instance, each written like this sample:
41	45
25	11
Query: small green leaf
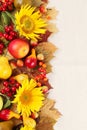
6	101
5	19
10	16
1	28
7	104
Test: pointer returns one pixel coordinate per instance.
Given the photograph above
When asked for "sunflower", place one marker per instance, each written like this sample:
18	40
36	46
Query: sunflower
29	22
29	98
27	128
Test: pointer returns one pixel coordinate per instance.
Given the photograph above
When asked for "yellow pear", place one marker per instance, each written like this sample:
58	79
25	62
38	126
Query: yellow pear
5	68
21	77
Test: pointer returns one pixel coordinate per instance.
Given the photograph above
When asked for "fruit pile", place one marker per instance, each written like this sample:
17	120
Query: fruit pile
25	55
6	5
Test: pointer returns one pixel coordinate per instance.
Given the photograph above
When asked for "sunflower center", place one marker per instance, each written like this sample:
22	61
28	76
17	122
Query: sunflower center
26	97
27	24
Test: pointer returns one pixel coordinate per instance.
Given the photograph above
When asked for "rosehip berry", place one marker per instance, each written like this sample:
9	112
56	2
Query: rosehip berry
1	34
13	89
6	0
5	83
3	91
12	33
11	27
4	5
1	46
6	35
3	8
7	89
1	52
17	85
0	8
7	29
10	37
9	94
9	3
12	81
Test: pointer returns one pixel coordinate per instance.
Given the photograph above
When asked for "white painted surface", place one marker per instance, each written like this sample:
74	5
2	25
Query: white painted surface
69	76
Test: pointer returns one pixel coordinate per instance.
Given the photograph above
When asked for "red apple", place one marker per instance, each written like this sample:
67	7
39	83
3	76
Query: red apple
18	48
30	62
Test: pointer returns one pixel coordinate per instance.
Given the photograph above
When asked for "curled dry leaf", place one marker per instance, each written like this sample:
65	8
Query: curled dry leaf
52	13
48	110
47	49
52	28
36	3
49	68
48	124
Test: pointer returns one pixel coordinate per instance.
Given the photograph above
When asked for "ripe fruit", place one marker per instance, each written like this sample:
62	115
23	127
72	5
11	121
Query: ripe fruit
20	63
31	61
5	69
5	83
1	103
7	114
40	56
20	78
18	48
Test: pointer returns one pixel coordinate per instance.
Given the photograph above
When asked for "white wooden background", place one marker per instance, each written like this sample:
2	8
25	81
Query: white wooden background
69	76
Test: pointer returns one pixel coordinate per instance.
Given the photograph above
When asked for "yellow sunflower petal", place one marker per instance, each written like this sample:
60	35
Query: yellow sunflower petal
29	98
27	128
29	22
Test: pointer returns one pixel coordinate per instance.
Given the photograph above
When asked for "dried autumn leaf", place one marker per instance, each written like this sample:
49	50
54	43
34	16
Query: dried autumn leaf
36	3
52	28
17	121
48	110
45	124
52	13
49	68
47	49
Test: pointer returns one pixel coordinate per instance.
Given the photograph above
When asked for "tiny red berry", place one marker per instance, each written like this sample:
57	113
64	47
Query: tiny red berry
3	91
17	85
1	45
13	89
9	94
12	81
7	89
5	83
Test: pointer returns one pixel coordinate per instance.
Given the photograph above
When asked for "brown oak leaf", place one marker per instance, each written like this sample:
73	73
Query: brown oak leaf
48	110
49	68
47	49
45	124
52	13
36	3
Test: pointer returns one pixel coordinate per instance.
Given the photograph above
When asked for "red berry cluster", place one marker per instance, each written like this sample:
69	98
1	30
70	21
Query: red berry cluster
9	87
7	5
9	34
42	72
1	47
